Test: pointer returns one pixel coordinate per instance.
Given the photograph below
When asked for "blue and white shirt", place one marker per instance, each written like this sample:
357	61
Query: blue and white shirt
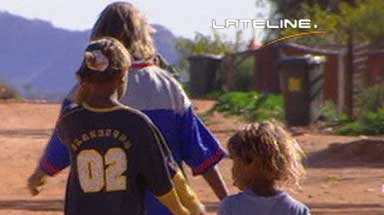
157	94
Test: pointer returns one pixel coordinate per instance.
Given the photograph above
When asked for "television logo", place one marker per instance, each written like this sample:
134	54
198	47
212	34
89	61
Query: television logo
264	24
302	24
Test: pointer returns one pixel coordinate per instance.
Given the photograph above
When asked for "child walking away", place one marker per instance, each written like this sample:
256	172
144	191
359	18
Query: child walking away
264	158
116	152
157	94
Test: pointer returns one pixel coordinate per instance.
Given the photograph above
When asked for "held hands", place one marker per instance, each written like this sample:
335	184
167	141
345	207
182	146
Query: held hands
36	181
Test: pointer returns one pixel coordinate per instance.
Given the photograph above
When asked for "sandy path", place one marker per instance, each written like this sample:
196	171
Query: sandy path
355	189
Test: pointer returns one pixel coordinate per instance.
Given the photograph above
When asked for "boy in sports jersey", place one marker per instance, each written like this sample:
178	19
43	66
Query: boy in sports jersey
158	95
117	153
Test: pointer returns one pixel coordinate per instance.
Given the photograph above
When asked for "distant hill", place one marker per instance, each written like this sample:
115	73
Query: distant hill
39	60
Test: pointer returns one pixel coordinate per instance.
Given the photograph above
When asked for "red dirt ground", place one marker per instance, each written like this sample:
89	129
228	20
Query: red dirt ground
345	178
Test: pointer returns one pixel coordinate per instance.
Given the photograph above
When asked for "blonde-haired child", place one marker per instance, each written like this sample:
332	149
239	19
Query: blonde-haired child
264	157
117	153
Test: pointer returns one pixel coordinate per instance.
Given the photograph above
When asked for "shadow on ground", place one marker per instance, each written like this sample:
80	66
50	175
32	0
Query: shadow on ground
33	205
212	207
350	209
31	133
360	153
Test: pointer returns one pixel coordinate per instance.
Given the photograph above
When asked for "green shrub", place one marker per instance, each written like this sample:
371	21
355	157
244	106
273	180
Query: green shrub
244	75
371	99
331	114
370	115
369	123
352	128
215	94
251	106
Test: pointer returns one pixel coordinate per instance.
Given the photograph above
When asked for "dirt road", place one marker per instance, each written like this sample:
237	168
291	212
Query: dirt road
342	178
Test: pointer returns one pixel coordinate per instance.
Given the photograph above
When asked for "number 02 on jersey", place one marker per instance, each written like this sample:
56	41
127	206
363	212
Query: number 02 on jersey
97	171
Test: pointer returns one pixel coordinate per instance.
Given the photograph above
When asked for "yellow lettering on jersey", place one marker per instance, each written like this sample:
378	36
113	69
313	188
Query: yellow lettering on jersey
116	133
92	134
74	147
108	132
85	137
122	138
127	144
100	133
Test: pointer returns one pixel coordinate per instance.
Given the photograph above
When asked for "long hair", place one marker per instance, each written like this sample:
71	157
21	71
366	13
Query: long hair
126	23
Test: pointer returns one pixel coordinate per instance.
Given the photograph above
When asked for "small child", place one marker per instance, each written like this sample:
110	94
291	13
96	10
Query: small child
117	153
264	157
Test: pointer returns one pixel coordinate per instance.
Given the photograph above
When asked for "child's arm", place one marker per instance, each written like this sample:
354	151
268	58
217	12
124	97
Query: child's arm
172	202
187	196
202	151
161	175
54	159
216	182
36	180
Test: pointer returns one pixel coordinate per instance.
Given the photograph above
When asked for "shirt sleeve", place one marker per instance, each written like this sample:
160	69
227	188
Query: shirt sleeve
56	156
225	208
200	149
156	163
187	196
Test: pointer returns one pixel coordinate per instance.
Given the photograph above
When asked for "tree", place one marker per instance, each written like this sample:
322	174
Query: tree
204	44
365	19
292	8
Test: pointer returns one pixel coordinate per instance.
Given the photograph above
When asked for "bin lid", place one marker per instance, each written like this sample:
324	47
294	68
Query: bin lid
206	56
308	59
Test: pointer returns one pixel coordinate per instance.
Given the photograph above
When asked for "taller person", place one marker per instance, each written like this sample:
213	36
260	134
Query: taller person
154	92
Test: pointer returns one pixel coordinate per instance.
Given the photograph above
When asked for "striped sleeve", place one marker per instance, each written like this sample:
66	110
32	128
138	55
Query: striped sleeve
201	150
56	156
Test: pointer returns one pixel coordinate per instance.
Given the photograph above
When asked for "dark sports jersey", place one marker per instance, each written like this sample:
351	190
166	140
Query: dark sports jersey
116	154
155	93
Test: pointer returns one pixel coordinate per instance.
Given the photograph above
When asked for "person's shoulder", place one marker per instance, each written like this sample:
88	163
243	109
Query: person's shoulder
164	75
232	199
166	91
295	206
181	98
230	204
69	108
135	113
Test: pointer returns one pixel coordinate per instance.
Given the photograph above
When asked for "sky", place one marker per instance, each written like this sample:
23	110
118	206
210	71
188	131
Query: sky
182	17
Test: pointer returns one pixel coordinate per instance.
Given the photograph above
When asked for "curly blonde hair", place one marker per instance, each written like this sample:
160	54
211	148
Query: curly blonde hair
126	23
265	151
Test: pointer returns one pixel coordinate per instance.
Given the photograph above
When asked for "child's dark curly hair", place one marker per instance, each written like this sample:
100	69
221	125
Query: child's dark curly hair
265	151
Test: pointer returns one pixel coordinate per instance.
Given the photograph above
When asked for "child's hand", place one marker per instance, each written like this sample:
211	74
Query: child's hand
35	181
